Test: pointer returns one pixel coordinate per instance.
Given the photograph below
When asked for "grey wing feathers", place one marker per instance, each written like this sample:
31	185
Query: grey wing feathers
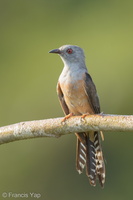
62	100
91	92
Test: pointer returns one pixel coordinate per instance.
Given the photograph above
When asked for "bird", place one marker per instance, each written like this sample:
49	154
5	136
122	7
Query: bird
78	96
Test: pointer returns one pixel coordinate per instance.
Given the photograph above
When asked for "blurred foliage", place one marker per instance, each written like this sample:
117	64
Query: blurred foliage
28	77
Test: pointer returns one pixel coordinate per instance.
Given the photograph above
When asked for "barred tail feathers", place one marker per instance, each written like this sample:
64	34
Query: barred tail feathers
100	166
80	156
89	154
91	162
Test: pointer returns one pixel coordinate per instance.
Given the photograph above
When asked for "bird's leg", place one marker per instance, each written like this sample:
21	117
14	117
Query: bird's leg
67	117
83	116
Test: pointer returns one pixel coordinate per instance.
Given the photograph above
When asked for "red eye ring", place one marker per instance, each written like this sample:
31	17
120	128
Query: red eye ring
69	51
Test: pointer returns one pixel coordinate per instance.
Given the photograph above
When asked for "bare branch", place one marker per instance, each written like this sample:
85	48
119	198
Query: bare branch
55	127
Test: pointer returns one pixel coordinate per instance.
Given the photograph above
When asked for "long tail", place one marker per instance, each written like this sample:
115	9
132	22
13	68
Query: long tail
89	154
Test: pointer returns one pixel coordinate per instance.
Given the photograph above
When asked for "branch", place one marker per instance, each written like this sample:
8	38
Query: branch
55	127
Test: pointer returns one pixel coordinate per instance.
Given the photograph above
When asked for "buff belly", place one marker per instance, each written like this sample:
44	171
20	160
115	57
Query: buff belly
76	99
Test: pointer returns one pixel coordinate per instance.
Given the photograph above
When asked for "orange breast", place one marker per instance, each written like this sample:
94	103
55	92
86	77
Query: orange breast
76	98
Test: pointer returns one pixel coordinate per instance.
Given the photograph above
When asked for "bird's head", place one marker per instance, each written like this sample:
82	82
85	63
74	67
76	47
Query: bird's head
70	54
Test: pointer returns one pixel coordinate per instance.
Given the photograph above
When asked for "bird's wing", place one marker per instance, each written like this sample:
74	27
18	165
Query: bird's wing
62	100
91	92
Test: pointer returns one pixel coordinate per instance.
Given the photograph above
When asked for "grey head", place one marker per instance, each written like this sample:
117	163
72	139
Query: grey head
70	54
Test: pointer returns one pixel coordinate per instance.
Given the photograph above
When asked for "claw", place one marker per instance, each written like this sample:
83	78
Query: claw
67	117
83	116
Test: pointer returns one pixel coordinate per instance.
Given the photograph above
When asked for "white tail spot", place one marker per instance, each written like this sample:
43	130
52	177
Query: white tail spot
82	158
82	166
83	152
83	145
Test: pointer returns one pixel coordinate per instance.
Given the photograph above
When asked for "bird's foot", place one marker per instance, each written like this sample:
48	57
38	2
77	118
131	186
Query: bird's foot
83	116
67	117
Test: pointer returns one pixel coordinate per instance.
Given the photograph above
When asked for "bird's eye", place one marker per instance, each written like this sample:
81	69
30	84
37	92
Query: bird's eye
69	51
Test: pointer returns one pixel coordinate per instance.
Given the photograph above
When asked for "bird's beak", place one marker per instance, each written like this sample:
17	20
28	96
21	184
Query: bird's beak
55	51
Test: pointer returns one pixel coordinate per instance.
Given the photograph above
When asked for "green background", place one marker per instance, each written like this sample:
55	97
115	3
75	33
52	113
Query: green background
28	77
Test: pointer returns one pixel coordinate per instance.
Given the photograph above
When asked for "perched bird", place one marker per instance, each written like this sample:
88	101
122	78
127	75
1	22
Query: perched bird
78	96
